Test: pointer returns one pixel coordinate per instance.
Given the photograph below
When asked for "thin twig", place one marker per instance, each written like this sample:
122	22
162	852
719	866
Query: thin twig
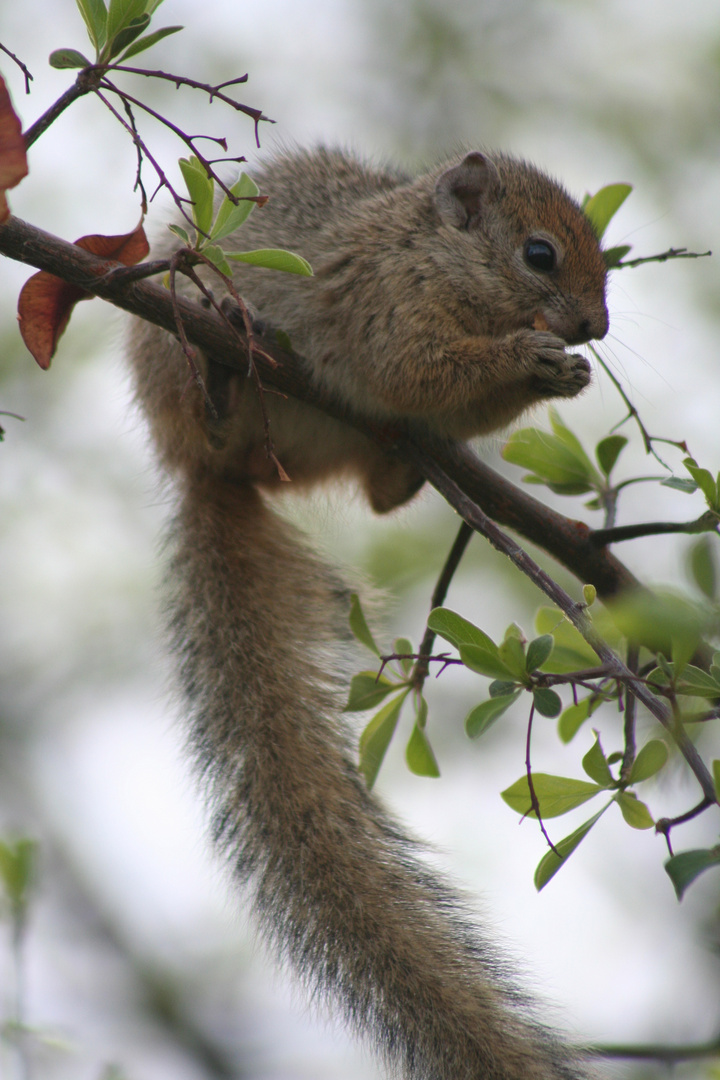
534	801
212	91
707	522
141	145
23	68
671	253
628	760
656	1051
252	347
633	413
86	82
663	826
189	140
421	669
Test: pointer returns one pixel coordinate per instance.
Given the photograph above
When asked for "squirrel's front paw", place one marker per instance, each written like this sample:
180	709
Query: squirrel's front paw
554	371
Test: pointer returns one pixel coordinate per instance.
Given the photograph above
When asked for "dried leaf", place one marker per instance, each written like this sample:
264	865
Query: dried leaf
13	160
46	302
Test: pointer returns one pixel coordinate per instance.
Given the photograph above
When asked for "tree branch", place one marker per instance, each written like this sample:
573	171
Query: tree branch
567	540
475	491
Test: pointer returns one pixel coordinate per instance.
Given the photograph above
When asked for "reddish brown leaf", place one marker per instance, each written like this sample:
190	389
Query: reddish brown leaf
13	160
128	249
46	302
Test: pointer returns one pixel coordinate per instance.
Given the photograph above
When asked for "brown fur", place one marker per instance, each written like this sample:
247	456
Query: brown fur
422	305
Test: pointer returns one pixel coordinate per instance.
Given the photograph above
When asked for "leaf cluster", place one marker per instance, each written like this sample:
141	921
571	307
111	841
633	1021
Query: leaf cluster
116	31
558	460
369	688
212	226
670	631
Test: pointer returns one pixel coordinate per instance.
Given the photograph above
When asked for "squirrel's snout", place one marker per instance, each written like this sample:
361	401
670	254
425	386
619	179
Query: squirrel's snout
574	328
591	328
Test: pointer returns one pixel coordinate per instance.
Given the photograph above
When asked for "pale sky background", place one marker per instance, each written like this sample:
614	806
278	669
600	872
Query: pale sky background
90	754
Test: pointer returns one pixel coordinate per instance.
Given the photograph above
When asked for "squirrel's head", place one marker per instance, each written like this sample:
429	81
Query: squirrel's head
544	261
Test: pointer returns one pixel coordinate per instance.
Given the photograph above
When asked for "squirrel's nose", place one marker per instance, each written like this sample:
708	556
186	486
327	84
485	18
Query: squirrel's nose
591	329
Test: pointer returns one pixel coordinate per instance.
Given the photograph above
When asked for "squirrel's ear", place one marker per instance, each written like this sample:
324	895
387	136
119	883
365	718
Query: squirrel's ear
461	191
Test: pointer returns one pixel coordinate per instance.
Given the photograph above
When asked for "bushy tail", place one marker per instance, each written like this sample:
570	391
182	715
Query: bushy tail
336	885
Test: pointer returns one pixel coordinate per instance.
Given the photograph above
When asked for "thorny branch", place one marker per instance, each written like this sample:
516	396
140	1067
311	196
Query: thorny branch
94	77
25	70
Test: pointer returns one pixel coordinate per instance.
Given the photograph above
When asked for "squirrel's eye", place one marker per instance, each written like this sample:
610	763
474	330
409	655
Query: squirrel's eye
541	255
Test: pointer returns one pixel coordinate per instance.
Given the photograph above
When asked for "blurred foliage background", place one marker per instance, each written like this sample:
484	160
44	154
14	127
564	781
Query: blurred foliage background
137	961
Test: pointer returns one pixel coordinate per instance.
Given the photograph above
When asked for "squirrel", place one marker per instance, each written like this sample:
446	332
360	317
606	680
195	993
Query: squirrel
451	298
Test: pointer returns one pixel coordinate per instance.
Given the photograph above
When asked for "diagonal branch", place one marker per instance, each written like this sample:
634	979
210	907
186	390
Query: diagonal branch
567	540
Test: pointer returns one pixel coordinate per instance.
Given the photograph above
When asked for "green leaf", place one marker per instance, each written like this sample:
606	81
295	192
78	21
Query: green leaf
697	683
589	594
704	481
231	216
703	565
502	687
200	190
538	652
569	439
180	233
94	13
608	451
283	340
17	869
121	13
68	58
127	35
367	690
595	765
565	469
403	645
613	256
649	761
604	204
551	863
573	718
483	716
376	737
359	627
484	661
685	867
571	651
512	654
556	795
457	630
636	813
148	41
688	487
216	255
716	776
547	702
274	259
418	753
661	618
